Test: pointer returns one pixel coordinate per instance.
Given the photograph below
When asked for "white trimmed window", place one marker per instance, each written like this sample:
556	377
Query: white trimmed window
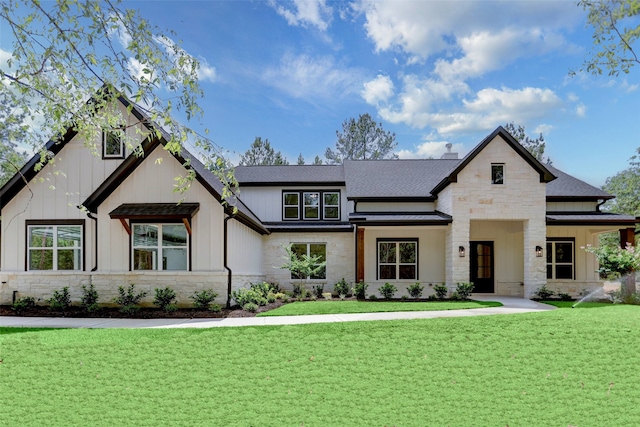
112	144
497	173
311	249
560	259
160	247
54	247
291	205
330	205
311	206
397	259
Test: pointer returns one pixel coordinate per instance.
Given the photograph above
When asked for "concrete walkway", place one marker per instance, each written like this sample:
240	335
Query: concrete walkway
511	305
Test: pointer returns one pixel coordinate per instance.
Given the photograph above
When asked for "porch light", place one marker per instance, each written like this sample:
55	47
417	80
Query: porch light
461	251
539	251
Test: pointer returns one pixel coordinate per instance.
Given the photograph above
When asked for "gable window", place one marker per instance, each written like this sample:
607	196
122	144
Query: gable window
159	247
397	259
497	173
311	205
291	206
311	249
112	144
54	247
560	259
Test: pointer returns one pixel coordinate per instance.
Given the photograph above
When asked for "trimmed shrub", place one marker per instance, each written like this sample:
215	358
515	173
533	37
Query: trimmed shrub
373	298
299	291
165	299
202	300
23	303
61	300
341	288
89	300
271	297
360	290
318	290
415	290
441	291
562	296
250	307
387	290
243	296
463	291
215	308
544	293
128	300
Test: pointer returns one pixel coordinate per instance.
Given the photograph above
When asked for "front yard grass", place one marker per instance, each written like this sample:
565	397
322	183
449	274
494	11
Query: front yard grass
564	367
340	307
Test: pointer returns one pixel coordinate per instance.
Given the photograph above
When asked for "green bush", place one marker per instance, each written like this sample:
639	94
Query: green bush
23	303
360	290
562	296
61	300
318	290
415	290
128	300
215	308
243	296
165	299
341	288
441	291
387	290
89	300
373	298
299	291
463	291
271	297
202	300
264	288
250	307
543	293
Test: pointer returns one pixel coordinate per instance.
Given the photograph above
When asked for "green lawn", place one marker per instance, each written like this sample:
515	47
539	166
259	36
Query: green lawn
337	307
564	367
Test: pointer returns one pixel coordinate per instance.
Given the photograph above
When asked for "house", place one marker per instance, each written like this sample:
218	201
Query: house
497	217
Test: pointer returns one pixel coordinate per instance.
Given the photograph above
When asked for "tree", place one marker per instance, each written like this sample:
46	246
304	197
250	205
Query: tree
302	266
12	131
625	186
300	159
617	262
317	161
613	44
261	153
362	139
535	146
70	59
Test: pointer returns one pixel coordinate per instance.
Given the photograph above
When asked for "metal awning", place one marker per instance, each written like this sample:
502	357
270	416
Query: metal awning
400	219
156	212
590	218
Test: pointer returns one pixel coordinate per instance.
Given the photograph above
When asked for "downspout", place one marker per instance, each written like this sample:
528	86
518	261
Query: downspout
95	243
225	259
600	204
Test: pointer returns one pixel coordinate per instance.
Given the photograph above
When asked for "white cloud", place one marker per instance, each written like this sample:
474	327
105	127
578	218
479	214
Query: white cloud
543	129
304	76
430	149
315	13
378	90
206	72
581	110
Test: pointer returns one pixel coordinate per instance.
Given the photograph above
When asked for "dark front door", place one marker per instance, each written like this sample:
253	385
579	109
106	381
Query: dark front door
482	267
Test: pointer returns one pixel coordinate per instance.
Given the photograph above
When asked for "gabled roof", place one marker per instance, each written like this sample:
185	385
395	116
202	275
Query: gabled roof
263	175
545	174
568	187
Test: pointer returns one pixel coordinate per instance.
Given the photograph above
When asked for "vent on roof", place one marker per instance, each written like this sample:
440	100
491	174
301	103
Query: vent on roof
449	155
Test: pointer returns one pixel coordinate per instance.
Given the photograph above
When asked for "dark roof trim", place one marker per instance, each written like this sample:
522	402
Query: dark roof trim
293	184
308	227
578	198
545	174
590	220
155	211
396	218
425	199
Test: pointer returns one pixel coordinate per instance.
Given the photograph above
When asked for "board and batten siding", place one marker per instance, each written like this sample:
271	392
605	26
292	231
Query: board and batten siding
395	207
572	206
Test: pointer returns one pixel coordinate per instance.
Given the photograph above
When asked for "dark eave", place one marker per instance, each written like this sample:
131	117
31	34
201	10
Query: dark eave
294	184
399	219
545	174
590	218
424	199
155	210
308	227
579	198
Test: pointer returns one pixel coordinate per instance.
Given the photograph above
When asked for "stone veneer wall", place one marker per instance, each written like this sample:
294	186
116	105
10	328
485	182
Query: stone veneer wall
41	285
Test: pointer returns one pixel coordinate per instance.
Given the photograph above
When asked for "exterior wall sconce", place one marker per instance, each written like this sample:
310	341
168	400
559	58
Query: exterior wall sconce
461	251
539	251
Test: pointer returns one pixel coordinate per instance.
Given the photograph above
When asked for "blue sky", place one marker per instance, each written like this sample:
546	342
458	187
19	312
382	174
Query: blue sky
431	71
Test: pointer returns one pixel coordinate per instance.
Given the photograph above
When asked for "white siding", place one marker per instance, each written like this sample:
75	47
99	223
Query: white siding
244	249
572	206
396	207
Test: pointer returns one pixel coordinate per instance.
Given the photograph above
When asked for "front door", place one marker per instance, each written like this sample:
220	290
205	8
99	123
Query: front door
482	267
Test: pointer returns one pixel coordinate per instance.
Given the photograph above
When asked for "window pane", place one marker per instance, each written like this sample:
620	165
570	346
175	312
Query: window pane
174	235
387	272
549	253
174	259
291	199
113	144
497	174
41	237
321	274
407	272
311	199
41	259
291	213
564	272
549	271
564	252
69	237
310	212
318	249
407	252
299	249
331	199
387	252
69	259
330	213
145	235
145	259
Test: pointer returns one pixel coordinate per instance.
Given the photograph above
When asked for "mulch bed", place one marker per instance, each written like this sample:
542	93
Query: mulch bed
143	313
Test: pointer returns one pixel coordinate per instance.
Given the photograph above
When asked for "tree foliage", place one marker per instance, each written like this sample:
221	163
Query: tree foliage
13	131
362	139
613	40
261	153
625	186
535	146
70	59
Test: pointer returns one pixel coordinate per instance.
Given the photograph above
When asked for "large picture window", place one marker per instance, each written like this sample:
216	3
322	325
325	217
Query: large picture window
159	247
560	259
54	247
311	205
311	249
397	259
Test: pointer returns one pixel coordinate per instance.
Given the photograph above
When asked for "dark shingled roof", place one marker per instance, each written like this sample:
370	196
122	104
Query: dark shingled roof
595	218
424	218
308	226
155	210
290	175
395	178
566	186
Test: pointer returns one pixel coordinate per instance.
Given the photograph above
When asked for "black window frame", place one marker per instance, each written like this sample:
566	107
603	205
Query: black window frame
113	133
398	263
494	175
301	206
553	264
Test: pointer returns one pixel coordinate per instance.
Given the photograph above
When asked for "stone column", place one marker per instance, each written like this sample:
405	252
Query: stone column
535	268
457	268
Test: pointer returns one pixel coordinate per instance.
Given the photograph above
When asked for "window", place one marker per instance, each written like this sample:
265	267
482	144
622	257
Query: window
291	206
560	256
159	247
497	173
54	247
311	205
311	249
112	145
398	259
